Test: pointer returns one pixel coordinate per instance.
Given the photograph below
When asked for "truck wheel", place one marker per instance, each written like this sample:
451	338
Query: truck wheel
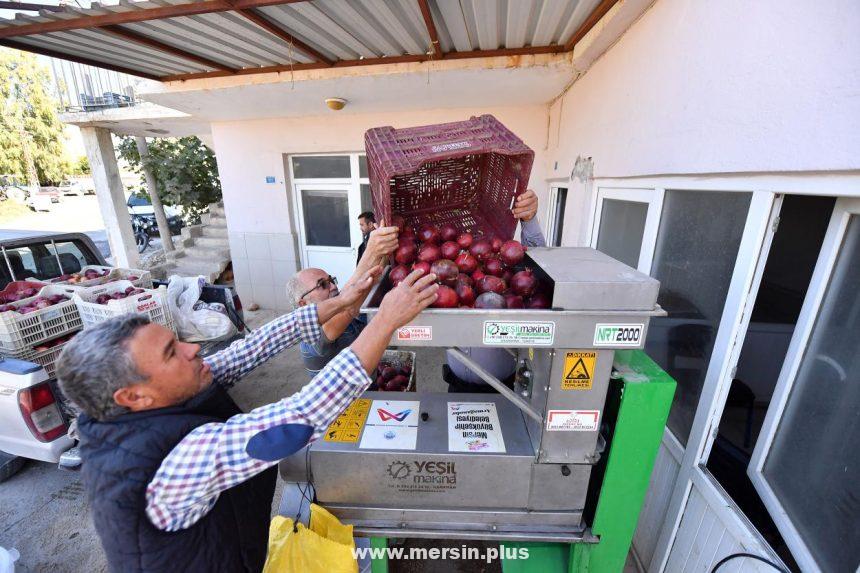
9	465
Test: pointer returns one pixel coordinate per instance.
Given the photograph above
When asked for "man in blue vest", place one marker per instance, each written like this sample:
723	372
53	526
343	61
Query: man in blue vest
179	479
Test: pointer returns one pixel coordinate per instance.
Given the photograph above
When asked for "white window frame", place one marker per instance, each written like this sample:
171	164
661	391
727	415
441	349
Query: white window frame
652	197
843	210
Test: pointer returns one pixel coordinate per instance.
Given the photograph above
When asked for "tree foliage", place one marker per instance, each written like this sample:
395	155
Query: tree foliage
186	172
81	166
31	134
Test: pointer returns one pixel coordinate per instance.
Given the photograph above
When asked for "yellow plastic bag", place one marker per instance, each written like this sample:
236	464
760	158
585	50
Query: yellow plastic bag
327	547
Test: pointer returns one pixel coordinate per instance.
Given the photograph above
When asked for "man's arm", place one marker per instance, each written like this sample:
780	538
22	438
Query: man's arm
215	457
525	209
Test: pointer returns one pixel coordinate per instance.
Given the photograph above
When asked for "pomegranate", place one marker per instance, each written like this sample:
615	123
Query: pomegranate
405	253
513	301
429	253
428	234
446	272
496	244
494	267
465	279
538	300
388	373
465	293
397	274
481	249
398	221
524	283
490	300
407	231
512	253
423	265
466	263
450	250
448	232
507	276
491	283
445	298
478	275
465	240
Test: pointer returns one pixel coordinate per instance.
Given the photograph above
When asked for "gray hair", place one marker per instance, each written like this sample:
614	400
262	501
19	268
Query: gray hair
295	289
96	363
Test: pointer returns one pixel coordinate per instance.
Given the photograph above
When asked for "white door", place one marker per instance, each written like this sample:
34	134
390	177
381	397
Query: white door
625	224
806	464
328	223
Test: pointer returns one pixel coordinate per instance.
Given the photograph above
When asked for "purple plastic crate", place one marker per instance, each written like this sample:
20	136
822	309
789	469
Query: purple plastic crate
465	173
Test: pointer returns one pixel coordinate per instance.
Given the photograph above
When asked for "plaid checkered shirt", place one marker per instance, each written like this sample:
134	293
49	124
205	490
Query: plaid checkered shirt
212	458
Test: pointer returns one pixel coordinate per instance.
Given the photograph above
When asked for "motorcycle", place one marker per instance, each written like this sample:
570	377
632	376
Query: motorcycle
142	227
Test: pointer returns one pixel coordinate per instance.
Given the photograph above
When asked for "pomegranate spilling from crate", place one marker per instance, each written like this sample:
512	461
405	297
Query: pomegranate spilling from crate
87	275
390	378
473	273
37	303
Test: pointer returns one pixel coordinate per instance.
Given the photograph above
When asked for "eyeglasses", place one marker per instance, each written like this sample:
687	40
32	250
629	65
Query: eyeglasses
321	283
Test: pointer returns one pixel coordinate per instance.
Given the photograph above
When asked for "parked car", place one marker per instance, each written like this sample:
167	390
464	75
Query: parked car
42	199
73	188
139	204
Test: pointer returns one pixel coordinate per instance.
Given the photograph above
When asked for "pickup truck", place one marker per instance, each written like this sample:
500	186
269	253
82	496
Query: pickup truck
34	418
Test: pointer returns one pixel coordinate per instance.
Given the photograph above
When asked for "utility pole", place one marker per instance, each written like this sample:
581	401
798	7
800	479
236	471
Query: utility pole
152	188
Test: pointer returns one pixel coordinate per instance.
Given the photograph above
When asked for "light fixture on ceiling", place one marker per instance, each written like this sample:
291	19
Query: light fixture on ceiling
335	103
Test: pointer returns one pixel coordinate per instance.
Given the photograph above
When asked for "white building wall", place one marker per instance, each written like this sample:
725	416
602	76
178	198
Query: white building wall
260	225
718	87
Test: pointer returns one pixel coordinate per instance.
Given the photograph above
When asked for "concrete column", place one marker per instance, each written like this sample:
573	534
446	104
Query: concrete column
110	195
152	188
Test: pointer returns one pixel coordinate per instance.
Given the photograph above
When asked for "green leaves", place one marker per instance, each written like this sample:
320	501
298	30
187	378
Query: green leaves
186	172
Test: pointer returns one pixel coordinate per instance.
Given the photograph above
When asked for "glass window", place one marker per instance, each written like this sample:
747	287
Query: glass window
321	167
622	225
362	166
697	244
326	215
138	200
558	217
39	260
814	462
72	257
366	198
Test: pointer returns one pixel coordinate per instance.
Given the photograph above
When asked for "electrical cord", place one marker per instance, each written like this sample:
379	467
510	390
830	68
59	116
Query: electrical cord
306	493
751	556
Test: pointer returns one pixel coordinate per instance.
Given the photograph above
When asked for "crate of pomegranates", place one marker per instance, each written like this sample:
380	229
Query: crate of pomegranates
395	373
94	275
122	297
45	354
45	315
463	174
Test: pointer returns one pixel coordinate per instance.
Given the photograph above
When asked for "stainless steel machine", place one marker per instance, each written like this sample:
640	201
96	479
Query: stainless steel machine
510	466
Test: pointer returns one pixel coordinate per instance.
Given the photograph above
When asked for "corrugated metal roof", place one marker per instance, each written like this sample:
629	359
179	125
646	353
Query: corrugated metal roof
218	38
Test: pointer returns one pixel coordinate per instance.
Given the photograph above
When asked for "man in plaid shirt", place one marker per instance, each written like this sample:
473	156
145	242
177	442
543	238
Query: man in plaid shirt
178	477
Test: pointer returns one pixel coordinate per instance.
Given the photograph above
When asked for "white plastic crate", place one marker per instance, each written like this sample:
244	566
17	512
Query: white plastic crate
143	280
46	358
19	332
151	302
399	359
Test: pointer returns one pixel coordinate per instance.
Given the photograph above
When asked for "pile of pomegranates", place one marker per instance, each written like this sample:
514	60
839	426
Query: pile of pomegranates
483	272
391	378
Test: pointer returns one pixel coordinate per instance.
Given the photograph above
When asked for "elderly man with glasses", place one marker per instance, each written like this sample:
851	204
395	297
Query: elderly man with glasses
312	286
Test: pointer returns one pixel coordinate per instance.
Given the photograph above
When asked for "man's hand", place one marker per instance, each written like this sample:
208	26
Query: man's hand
382	241
353	294
526	205
406	300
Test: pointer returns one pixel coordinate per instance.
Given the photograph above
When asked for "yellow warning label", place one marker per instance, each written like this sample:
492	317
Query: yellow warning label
348	426
578	370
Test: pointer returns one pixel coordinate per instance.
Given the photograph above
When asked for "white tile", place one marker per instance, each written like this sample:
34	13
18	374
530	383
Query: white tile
282	271
282	247
237	245
264	295
260	271
242	277
281	302
257	246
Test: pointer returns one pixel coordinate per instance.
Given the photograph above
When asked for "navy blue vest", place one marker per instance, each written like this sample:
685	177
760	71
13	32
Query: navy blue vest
121	456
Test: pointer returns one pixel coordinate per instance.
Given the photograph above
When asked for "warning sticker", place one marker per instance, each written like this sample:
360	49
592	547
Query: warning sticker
572	420
578	370
347	427
501	333
415	333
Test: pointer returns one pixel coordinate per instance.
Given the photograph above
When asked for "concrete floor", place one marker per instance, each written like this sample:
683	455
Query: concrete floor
44	513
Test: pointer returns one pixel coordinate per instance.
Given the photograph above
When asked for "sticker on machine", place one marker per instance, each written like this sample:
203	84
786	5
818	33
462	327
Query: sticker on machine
415	333
474	427
572	420
618	335
347	427
578	372
391	425
532	333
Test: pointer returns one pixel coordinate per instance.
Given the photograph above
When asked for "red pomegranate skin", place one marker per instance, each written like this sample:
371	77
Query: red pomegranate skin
397	274
465	240
466	263
445	298
423	265
466	294
450	250
429	253
491	283
448	233
524	283
494	267
511	253
446	272
481	249
429	234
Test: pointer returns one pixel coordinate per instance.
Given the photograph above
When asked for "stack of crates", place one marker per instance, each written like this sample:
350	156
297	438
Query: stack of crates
150	302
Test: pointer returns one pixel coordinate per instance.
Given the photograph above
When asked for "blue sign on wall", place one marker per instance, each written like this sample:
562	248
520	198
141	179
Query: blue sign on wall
270	179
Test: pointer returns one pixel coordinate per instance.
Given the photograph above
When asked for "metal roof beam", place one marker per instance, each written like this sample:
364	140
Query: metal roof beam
589	23
431	28
276	30
11	5
80	60
152	43
139	15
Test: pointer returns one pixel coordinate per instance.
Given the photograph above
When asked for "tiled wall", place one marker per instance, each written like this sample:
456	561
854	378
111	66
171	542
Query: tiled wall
262	264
